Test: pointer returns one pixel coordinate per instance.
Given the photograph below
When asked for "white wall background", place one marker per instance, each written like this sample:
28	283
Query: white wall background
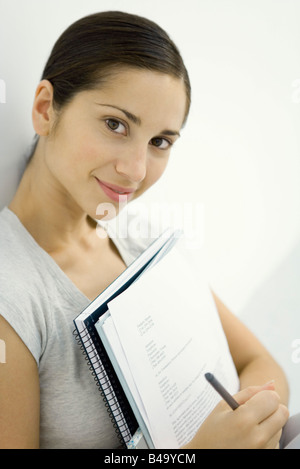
239	155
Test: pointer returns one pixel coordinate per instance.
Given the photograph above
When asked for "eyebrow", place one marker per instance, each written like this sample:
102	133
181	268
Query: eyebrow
136	120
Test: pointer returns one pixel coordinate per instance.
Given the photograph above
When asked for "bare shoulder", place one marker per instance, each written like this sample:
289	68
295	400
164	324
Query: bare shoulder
19	392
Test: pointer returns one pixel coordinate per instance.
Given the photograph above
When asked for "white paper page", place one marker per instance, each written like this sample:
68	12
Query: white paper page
171	334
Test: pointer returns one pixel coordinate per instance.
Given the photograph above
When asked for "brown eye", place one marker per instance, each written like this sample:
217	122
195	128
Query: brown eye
160	142
116	126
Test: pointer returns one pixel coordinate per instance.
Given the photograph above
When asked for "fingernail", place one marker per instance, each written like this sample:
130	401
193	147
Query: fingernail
269	383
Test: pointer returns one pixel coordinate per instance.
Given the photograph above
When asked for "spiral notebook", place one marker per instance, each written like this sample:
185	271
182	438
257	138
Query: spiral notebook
118	406
162	335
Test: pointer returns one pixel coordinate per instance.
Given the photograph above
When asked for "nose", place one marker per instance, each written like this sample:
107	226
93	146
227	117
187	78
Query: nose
132	164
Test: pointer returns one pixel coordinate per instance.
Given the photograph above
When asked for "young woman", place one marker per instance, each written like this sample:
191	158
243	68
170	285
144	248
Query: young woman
112	101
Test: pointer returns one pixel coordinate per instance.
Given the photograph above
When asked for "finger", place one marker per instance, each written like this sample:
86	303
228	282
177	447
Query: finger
269	385
243	396
273	425
273	443
263	404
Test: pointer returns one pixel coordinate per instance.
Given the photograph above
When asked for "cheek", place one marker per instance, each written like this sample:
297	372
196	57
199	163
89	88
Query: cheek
78	143
84	154
81	156
93	151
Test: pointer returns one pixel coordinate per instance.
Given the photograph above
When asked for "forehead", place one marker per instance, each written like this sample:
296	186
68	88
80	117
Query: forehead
146	94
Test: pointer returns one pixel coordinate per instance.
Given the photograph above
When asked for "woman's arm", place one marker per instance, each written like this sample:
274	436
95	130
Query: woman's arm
19	393
254	364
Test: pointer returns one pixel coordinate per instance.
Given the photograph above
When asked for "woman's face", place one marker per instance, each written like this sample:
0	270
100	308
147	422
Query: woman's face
111	144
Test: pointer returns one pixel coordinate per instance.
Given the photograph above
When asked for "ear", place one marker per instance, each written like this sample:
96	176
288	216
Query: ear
42	111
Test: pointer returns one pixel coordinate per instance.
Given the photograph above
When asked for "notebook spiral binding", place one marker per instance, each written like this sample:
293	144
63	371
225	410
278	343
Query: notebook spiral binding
104	379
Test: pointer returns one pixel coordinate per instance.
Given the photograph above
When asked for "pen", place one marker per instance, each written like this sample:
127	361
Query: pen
221	390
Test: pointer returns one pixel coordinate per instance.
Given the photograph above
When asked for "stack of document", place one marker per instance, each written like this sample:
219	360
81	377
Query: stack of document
162	335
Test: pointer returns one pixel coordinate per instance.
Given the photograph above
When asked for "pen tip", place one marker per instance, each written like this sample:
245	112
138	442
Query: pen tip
208	376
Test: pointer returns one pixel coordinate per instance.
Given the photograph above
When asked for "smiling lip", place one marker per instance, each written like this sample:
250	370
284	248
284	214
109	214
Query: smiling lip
115	192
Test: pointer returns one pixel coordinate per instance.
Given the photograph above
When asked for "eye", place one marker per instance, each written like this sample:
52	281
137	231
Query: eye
161	143
116	126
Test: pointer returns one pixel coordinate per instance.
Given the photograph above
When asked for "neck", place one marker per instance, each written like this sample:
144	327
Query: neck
45	209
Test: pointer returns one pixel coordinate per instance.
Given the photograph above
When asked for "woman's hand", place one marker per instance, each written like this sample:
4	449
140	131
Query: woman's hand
257	423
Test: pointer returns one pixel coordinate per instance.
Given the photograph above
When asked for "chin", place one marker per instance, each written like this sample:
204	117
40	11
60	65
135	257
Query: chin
106	211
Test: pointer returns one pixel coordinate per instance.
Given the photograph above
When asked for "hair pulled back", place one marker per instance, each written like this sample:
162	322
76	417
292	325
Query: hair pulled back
94	47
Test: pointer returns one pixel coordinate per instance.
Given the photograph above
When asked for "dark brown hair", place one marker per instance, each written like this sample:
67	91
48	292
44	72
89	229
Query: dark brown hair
93	47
